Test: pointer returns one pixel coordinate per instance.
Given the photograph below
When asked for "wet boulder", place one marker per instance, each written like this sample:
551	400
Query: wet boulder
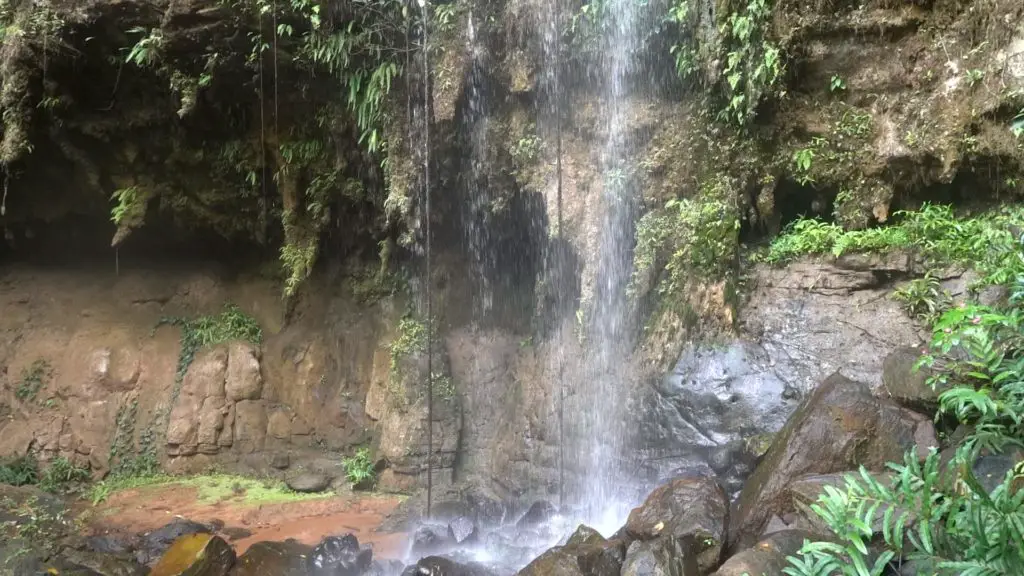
841	426
440	566
104	564
157	542
539	512
462	530
693	512
384	568
288	558
585	535
767	556
661	557
196	555
430	539
587	553
339	556
907	385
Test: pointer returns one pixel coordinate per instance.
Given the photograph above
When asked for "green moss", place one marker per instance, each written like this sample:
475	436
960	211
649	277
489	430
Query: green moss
33	379
411	340
211	489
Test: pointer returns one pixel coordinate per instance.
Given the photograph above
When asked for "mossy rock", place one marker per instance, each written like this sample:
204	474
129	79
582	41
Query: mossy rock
196	555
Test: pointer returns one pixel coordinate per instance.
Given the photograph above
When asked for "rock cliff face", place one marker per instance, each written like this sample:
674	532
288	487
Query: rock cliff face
893	104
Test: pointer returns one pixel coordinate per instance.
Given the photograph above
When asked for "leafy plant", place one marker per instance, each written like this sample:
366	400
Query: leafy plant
975	76
411	339
753	64
803	159
359	468
923	298
146	52
1017	126
20	471
60	473
836	84
33	379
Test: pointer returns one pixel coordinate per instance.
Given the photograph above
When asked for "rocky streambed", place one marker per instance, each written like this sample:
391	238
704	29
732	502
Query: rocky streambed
688	526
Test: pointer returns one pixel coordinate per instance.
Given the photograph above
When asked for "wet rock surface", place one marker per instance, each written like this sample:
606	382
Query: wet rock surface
538	513
153	545
199	554
839	427
768	556
309	482
340	556
288	558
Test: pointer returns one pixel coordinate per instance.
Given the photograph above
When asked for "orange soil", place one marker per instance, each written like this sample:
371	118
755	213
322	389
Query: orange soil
145	509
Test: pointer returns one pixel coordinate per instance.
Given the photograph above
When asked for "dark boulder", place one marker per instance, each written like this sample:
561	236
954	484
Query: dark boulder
585	535
112	544
586	553
156	543
440	566
660	557
105	564
196	554
309	482
768	556
430	539
340	556
288	558
540	512
462	530
907	385
385	568
841	426
555	562
693	512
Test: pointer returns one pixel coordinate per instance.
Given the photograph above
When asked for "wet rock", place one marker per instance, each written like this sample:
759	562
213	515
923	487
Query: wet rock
233	533
339	556
660	557
112	544
693	512
470	500
280	460
555	562
430	539
243	381
157	542
384	568
462	530
906	385
440	566
585	535
288	558
196	555
104	564
839	427
308	482
767	556
539	512
250	426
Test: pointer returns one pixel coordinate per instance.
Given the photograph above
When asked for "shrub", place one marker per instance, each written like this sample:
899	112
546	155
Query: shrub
61	473
21	471
359	468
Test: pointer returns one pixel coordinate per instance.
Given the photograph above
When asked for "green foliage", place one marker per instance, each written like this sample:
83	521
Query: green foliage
146	51
1017	126
20	471
411	340
753	63
60	473
359	468
694	238
685	56
205	331
937	515
975	76
130	459
923	298
803	159
33	379
836	84
934	231
130	207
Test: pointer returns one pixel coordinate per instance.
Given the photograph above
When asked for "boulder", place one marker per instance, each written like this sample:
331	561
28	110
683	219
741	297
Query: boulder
906	385
243	373
430	539
196	555
339	556
693	512
555	562
463	530
538	513
154	544
587	553
660	557
385	568
767	556
111	544
839	427
288	558
308	482
440	566
585	535
103	564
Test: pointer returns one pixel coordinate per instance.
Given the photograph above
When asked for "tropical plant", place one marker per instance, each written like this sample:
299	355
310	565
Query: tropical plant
753	63
923	298
20	471
60	473
836	84
359	468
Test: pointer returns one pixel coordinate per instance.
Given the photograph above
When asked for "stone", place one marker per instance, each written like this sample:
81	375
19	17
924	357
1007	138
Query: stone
585	535
462	530
554	562
339	556
768	556
244	381
841	426
385	568
211	420
111	544
280	460
196	555
308	482
103	564
233	533
430	539
660	557
693	512
279	425
440	566
250	425
906	385
288	558
154	544
538	513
